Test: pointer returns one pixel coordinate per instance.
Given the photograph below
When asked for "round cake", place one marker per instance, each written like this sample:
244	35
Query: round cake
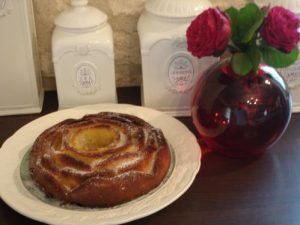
100	160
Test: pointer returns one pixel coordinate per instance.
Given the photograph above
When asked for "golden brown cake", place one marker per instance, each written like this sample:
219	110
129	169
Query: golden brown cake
99	160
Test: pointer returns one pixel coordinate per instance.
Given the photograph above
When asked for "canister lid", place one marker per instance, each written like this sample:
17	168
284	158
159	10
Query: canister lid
177	8
293	5
80	16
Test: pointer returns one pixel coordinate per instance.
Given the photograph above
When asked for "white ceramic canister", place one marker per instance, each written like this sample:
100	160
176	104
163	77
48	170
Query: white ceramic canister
21	89
169	71
292	73
83	56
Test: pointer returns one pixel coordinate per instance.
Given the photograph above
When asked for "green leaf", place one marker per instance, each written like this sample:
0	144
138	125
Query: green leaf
255	55
233	15
278	59
241	63
259	18
246	18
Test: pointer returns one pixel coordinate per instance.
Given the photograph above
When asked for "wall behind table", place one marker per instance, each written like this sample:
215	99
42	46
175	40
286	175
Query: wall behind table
122	16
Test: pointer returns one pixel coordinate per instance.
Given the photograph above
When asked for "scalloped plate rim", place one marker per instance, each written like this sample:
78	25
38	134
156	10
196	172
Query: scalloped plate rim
82	110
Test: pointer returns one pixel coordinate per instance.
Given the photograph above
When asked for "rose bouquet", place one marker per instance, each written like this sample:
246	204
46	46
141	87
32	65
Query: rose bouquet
252	35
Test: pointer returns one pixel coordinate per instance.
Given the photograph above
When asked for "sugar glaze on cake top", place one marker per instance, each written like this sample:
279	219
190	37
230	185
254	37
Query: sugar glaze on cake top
101	159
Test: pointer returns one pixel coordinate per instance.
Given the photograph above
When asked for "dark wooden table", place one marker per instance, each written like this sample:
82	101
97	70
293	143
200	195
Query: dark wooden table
265	190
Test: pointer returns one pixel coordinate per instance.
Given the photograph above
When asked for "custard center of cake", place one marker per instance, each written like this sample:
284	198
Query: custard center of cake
94	138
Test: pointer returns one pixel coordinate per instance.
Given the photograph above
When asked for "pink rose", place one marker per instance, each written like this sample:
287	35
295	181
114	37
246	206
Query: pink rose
281	29
209	33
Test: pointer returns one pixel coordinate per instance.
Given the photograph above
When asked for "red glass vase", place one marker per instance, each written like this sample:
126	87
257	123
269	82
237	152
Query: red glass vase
241	116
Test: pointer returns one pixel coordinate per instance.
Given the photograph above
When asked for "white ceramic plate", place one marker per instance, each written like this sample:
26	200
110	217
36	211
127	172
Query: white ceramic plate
13	192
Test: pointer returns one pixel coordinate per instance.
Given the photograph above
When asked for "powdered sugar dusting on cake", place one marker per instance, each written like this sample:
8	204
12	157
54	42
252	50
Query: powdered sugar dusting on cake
101	147
74	171
128	163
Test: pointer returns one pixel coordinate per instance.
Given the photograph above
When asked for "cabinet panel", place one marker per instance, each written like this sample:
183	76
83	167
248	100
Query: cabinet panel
20	84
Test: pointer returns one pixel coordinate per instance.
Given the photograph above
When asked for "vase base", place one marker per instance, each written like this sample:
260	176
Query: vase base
236	153
241	154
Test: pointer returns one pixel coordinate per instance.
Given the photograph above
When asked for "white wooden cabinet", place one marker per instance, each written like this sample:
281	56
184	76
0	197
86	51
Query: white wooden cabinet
20	81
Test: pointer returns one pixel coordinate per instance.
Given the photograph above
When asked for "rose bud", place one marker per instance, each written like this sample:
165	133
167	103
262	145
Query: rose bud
281	29
209	33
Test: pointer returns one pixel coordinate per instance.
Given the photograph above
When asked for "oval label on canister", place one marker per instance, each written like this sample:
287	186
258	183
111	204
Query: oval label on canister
181	73
86	79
